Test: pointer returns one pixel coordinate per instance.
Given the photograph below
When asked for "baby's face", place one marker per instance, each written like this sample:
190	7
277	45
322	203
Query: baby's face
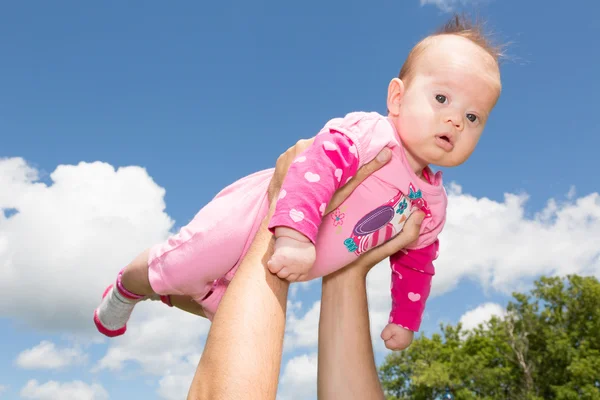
446	104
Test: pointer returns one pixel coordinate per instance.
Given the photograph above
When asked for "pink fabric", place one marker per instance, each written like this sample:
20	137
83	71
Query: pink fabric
312	180
205	254
412	272
371	132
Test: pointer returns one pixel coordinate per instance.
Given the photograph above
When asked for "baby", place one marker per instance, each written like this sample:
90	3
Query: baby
437	110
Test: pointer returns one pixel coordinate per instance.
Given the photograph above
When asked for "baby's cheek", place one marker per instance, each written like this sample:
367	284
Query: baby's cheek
414	127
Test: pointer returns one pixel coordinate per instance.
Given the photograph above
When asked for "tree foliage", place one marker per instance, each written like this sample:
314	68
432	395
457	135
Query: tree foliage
546	346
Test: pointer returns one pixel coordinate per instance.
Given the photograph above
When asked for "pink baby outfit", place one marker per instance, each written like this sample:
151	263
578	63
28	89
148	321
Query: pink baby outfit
202	258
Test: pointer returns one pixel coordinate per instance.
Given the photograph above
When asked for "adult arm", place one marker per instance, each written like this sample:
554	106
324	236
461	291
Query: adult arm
346	363
242	354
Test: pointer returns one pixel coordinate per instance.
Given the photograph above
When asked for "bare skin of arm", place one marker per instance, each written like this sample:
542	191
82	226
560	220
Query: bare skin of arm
346	364
242	355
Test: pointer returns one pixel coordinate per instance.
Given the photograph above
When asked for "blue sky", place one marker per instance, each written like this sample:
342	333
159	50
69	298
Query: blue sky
199	94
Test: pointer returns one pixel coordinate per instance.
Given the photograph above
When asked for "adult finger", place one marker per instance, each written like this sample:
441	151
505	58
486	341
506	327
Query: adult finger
363	172
408	235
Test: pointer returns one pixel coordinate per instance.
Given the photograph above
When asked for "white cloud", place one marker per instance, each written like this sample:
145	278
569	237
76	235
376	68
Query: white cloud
176	381
299	379
46	356
77	233
3	388
294	289
158	339
69	239
162	342
496	244
52	390
450	5
483	313
302	331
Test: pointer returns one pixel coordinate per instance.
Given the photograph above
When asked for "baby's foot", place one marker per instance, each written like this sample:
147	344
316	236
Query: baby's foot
292	259
113	313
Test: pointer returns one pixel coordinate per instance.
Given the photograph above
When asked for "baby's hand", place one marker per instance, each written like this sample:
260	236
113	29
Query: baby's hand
396	337
294	255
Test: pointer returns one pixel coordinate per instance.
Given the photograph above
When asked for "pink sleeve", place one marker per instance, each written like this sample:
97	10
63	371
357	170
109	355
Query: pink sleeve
370	133
412	272
312	180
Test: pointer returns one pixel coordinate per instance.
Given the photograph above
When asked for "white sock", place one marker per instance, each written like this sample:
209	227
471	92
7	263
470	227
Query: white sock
115	309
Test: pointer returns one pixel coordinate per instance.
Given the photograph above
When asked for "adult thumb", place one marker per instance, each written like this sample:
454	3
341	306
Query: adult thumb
418	217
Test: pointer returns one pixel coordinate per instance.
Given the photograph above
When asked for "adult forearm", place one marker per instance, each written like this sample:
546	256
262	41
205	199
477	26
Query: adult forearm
346	363
242	356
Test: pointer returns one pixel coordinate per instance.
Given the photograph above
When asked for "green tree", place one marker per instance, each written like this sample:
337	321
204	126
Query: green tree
547	346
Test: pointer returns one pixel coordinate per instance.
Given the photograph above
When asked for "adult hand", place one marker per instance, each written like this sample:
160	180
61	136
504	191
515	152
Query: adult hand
344	324
363	173
285	160
365	262
410	233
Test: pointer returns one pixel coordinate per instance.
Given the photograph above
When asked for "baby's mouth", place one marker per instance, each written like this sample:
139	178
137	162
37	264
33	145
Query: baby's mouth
445	142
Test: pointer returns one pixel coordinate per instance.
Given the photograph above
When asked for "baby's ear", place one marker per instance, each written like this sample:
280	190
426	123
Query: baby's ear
395	96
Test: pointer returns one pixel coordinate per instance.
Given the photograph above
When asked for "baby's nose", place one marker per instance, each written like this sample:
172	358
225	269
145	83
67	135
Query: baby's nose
456	120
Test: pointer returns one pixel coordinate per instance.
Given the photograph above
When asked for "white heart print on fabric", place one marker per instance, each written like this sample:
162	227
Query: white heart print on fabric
282	194
414	296
300	159
329	146
296	215
311	177
322	208
352	149
338	174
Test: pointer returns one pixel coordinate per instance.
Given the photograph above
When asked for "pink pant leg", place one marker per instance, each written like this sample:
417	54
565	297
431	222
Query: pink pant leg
211	302
212	244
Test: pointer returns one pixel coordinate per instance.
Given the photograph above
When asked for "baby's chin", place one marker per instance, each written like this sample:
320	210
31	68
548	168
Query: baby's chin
448	160
437	157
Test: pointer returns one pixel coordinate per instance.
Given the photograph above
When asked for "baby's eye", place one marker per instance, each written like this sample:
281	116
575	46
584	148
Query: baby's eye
472	117
441	98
